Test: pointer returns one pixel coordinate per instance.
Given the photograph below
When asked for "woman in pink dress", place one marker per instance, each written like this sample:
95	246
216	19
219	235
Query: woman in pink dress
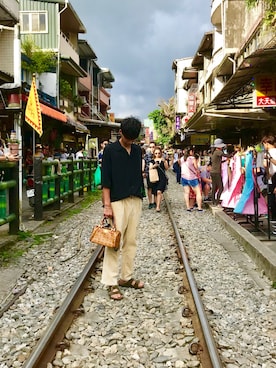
190	179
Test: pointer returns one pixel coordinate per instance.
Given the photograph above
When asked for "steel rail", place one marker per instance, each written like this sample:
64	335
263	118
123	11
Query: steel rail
207	333
44	351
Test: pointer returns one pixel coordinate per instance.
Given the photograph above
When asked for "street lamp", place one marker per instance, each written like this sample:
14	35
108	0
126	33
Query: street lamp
99	84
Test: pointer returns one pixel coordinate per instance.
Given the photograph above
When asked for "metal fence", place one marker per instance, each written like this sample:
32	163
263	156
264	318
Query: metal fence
9	196
54	182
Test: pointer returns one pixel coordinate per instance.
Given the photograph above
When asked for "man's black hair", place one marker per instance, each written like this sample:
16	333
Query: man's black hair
131	127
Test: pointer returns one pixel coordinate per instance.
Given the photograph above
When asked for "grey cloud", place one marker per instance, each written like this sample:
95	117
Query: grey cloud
138	41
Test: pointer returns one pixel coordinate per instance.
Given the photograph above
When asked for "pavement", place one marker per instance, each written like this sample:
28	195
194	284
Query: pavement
27	219
254	239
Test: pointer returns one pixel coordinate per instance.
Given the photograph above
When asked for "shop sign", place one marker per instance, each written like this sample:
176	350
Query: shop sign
68	138
191	103
185	120
177	122
200	139
265	91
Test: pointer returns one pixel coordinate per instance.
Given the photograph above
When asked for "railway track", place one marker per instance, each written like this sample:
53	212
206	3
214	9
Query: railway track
202	345
199	308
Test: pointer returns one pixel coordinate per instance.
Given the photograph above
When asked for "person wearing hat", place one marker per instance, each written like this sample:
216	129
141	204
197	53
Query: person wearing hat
216	176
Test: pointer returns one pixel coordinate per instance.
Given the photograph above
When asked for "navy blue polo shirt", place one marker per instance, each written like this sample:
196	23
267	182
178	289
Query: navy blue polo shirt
122	172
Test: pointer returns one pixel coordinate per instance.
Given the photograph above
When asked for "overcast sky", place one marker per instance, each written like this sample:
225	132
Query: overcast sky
138	41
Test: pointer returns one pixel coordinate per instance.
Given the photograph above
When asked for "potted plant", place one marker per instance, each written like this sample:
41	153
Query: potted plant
78	103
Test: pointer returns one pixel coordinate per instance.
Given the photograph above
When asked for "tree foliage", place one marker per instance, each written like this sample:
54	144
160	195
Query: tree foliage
164	121
269	5
39	61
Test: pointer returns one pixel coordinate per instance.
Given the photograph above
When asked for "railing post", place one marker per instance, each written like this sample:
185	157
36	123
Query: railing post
71	182
89	186
57	192
38	208
14	200
81	167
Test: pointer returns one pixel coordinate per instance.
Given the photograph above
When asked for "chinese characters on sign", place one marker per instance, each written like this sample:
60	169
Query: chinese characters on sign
177	122
265	92
191	104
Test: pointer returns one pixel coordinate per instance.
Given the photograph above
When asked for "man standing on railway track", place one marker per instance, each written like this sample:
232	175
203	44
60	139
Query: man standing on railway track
122	201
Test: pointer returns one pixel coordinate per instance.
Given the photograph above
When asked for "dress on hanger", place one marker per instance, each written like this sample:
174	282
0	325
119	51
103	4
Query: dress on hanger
225	178
234	190
245	204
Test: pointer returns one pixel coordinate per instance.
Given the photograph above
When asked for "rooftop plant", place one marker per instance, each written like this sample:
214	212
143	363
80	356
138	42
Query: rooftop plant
40	61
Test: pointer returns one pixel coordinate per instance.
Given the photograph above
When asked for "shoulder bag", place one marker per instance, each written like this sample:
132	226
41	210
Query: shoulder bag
153	175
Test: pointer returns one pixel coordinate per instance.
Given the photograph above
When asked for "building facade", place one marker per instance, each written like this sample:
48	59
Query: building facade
71	91
233	75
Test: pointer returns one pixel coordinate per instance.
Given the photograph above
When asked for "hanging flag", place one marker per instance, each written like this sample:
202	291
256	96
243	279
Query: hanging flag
33	112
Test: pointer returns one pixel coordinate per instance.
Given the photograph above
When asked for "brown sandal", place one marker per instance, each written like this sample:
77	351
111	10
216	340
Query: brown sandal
115	293
135	284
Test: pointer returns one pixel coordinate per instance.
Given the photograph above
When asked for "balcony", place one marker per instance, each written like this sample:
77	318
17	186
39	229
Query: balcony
85	83
216	13
104	97
67	49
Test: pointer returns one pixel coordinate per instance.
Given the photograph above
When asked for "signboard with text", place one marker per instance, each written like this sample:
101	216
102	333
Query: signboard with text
265	91
191	103
177	122
200	139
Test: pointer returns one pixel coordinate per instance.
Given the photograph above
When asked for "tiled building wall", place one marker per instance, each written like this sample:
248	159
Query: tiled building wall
6	54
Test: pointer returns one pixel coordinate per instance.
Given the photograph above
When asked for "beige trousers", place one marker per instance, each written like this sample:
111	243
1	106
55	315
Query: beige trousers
120	263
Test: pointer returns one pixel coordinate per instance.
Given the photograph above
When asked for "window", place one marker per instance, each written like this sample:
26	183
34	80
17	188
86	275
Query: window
34	22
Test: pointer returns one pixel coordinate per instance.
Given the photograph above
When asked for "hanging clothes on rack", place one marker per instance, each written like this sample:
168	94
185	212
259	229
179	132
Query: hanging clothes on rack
246	204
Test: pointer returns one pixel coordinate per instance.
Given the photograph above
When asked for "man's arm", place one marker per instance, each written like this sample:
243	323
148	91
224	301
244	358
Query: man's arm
107	209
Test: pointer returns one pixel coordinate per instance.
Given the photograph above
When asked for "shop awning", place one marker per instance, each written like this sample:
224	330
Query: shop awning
210	120
261	61
49	111
110	124
52	113
81	128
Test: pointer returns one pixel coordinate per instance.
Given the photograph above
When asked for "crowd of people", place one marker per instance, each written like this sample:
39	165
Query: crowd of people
230	176
236	178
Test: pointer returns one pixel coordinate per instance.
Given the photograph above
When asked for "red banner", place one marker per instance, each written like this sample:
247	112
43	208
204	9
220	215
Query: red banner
265	92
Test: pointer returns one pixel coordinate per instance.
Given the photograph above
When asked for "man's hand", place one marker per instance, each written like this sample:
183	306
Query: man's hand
108	212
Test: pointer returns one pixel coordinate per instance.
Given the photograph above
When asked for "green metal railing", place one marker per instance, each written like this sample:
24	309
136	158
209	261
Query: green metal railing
9	199
56	180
